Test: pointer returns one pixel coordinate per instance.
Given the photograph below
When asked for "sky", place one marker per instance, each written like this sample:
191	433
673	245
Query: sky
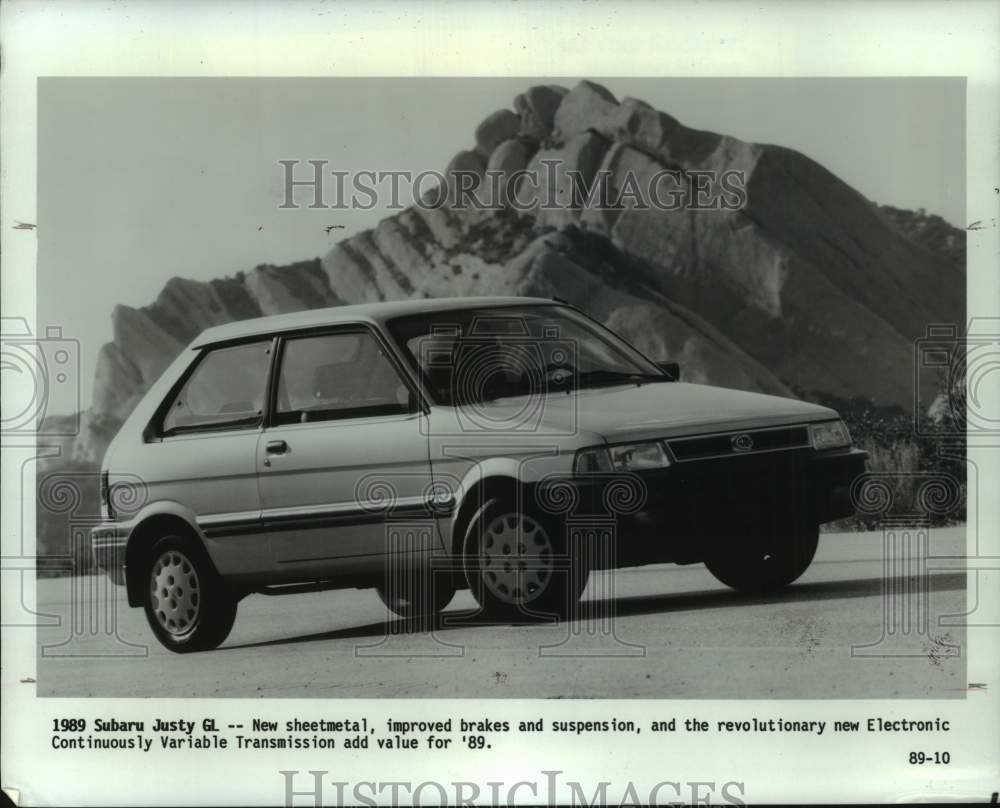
143	179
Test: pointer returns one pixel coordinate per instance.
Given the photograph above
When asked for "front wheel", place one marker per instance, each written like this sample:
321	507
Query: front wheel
768	562
186	602
518	565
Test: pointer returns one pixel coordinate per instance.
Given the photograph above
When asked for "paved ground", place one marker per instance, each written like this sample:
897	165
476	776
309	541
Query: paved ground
675	632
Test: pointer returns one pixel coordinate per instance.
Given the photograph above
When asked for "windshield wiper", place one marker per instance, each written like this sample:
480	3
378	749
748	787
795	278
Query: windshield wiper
618	377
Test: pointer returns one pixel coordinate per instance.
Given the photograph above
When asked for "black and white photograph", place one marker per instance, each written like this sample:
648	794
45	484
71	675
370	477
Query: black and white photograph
598	365
663	394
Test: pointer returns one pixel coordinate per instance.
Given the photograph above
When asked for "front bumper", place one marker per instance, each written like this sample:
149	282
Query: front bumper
108	543
830	477
675	513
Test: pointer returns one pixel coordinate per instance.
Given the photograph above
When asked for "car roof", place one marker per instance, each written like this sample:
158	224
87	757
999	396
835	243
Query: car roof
372	313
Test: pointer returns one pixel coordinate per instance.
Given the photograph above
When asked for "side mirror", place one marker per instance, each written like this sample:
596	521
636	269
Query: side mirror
672	369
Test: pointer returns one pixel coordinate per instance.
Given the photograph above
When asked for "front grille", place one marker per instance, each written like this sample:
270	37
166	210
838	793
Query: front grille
734	444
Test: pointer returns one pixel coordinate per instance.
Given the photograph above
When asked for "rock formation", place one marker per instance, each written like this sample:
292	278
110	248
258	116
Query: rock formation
807	290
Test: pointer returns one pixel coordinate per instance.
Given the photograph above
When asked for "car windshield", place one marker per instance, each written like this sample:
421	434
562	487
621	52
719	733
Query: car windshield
476	355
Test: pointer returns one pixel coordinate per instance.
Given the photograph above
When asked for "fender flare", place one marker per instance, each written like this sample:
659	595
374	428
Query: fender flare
500	470
473	519
149	522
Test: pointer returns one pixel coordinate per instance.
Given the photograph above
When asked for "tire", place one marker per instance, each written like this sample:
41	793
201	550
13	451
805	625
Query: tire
767	562
419	604
518	566
186	602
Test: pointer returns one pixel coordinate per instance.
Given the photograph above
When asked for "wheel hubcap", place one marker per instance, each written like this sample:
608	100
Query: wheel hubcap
515	558
175	592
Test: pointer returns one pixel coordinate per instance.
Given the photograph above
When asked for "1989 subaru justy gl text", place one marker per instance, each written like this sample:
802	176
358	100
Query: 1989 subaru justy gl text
505	445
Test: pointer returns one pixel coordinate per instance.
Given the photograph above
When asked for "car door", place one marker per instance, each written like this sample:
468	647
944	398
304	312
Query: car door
343	452
205	457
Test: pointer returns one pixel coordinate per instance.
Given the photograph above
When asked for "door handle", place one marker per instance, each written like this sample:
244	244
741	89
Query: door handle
276	447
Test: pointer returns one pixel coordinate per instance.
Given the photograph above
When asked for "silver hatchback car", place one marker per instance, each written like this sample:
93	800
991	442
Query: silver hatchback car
505	445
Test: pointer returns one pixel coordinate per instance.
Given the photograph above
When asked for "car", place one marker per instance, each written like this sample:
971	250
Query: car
506	445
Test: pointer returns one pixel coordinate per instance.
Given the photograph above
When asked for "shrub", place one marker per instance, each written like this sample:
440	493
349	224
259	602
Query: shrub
905	456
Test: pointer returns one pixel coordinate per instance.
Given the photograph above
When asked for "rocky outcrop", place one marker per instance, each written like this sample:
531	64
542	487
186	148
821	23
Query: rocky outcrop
806	289
537	108
146	340
500	126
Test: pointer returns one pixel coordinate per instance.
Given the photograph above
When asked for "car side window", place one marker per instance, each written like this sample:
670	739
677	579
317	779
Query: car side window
342	375
225	390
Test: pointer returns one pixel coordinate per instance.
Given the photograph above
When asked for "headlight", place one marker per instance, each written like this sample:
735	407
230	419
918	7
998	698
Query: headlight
623	457
830	435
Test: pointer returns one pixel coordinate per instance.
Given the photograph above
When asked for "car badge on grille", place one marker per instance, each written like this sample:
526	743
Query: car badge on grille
741	443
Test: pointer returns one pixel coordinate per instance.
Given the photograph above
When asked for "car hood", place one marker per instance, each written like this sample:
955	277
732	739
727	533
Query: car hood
622	413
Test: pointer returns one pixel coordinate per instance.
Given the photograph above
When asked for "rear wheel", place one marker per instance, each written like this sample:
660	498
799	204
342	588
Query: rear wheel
186	602
518	565
420	603
769	561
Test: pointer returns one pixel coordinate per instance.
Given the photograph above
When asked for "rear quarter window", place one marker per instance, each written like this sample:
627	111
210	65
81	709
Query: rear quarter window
225	390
